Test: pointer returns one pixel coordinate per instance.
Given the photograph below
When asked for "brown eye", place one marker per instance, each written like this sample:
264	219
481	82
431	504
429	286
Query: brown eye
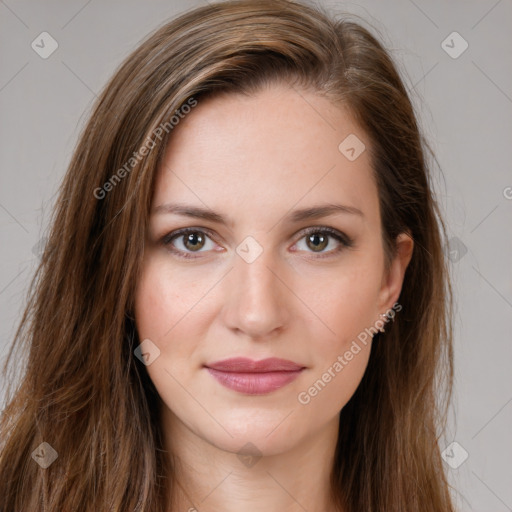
188	241
317	241
193	241
323	241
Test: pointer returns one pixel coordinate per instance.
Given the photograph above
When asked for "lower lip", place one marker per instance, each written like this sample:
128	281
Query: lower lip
254	383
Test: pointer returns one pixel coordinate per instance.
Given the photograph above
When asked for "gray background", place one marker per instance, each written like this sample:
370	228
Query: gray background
465	105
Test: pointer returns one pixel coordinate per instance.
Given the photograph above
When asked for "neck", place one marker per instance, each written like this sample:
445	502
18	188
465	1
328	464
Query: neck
209	479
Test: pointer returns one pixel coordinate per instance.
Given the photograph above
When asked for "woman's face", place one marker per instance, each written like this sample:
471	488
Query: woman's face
269	280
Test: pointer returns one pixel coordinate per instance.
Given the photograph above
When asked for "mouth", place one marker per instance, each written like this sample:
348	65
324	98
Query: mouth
254	377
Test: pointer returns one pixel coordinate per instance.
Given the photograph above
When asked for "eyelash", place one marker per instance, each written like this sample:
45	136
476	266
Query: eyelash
344	240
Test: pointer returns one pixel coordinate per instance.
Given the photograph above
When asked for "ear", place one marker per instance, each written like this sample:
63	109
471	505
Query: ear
393	278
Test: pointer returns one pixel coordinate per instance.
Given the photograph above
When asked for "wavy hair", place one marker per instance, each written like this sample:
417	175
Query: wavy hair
82	390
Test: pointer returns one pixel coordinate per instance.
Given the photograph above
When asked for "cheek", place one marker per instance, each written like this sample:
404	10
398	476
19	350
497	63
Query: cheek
347	303
348	306
160	316
340	360
172	310
152	315
164	314
165	297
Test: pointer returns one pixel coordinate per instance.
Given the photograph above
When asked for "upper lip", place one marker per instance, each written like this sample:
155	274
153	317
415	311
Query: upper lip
245	365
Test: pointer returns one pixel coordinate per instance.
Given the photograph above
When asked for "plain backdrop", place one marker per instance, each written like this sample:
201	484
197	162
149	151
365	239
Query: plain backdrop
464	99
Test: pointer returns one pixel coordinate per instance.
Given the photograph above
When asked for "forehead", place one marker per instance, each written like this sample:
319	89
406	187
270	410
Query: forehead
264	153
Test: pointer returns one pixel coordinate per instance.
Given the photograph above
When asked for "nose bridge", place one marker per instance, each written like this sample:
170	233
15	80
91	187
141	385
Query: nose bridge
257	302
256	277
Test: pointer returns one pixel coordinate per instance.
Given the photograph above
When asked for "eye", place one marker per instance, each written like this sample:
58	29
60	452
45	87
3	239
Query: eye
317	239
185	242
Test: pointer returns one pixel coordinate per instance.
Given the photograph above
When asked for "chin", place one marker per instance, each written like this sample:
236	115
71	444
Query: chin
266	432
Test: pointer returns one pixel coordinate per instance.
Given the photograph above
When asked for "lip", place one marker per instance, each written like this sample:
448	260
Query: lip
254	377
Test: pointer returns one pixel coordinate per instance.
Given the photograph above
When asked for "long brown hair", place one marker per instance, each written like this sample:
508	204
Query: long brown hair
83	391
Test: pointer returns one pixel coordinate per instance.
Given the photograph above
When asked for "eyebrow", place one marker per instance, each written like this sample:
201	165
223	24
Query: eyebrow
299	215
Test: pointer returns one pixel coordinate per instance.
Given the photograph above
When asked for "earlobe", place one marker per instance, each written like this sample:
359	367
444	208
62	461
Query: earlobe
394	277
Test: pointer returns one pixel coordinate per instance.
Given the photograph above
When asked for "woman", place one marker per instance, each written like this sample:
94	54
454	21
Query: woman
243	302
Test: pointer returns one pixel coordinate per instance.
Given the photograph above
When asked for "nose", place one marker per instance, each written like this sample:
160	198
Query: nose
257	301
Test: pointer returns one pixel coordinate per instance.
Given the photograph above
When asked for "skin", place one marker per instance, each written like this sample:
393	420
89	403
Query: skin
254	159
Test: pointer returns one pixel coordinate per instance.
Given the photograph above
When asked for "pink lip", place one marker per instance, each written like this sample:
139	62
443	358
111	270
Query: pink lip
254	377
